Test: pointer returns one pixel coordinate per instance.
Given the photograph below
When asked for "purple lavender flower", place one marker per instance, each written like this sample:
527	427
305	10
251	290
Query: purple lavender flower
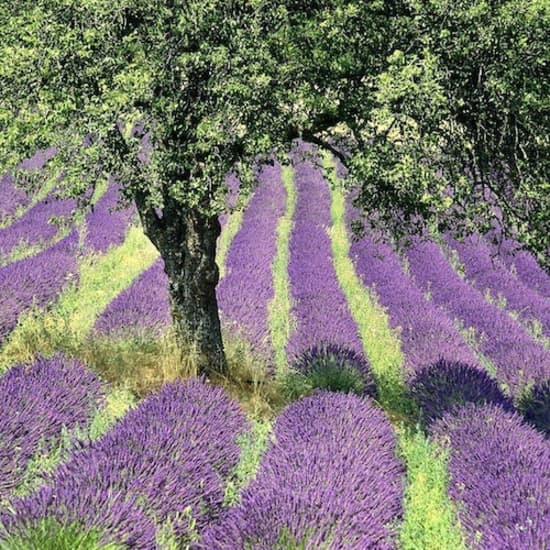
164	461
427	334
106	226
330	479
336	368
247	288
526	267
447	386
499	471
36	281
141	308
34	226
37	161
12	197
518	359
38	401
320	308
487	273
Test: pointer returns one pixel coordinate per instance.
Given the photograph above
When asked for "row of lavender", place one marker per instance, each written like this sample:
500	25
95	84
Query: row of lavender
499	466
164	462
320	310
168	460
37	280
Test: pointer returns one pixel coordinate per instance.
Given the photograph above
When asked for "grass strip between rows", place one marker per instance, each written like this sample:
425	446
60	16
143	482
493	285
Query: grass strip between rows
279	308
65	325
429	520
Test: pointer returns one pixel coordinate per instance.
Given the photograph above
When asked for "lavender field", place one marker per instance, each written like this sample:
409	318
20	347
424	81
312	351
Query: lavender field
384	399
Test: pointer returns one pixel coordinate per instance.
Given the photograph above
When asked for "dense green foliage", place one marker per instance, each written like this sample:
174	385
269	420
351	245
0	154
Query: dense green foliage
438	108
426	91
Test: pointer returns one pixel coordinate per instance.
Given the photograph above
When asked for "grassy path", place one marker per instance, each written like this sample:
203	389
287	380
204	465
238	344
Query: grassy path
279	309
65	325
429	518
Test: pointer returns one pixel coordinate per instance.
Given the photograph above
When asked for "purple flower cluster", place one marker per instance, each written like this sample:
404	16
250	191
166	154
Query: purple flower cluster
446	386
516	356
106	226
247	288
427	334
330	479
499	471
36	281
320	308
163	462
141	308
526	267
34	226
37	161
333	367
487	273
38	401
12	198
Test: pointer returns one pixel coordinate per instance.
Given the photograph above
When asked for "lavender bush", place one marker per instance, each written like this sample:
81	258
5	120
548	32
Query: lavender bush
489	274
329	479
165	461
247	288
331	367
518	359
106	226
320	308
142	308
36	281
534	404
426	333
34	227
446	386
499	471
38	402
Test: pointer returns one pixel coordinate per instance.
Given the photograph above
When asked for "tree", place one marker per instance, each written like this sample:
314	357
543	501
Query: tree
219	85
457	124
197	76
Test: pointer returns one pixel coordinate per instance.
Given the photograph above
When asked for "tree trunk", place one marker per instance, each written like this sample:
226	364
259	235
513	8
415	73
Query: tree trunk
186	240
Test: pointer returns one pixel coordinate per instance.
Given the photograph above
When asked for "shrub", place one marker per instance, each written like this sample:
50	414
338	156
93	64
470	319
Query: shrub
446	386
499	471
328	479
330	367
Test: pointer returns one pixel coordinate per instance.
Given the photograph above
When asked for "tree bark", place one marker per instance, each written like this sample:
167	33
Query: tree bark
186	240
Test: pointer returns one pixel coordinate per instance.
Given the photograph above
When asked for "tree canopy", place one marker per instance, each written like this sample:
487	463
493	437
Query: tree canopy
439	108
